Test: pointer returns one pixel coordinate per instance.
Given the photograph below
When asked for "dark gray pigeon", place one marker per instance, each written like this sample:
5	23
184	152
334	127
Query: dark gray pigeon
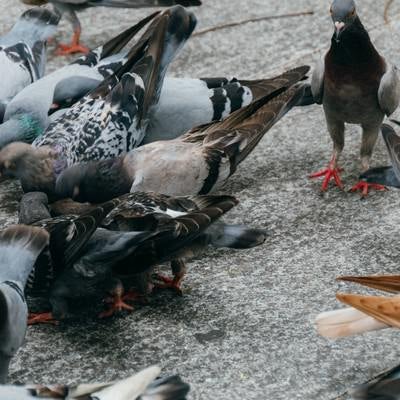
70	7
145	385
23	52
355	85
20	246
86	262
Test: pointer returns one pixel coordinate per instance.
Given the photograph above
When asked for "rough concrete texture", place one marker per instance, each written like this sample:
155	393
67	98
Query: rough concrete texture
244	328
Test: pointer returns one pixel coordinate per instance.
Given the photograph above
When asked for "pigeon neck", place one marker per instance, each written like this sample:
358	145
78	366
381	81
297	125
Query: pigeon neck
23	128
354	47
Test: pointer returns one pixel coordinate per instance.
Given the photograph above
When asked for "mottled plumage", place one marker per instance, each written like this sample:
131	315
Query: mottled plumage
196	163
355	85
112	119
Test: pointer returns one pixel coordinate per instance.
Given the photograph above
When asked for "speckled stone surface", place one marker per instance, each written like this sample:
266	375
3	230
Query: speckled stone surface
244	328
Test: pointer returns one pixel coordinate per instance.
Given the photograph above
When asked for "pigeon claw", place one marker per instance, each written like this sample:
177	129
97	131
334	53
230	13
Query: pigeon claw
169	283
42	318
116	305
66	49
73	47
364	187
329	173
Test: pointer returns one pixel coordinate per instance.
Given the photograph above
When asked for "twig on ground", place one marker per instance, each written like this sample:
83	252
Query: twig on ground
246	21
386	12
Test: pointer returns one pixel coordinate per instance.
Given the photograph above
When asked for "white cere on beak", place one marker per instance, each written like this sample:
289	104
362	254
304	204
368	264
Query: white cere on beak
339	25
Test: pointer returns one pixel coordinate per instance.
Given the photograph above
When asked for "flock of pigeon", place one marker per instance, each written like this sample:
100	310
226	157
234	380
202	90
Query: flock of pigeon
117	161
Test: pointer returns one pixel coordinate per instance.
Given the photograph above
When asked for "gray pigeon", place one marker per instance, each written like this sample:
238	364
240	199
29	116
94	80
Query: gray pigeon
199	162
23	52
145	385
71	6
85	261
390	175
355	85
20	246
26	115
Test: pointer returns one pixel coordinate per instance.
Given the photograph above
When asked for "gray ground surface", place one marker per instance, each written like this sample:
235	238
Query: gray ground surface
244	328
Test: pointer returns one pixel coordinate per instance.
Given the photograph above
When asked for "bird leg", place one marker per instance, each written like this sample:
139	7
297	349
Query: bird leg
364	187
116	302
42	318
74	46
179	271
331	172
369	138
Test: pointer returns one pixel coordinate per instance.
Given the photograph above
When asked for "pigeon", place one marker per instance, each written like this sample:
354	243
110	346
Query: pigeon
138	211
71	6
113	118
367	313
385	386
389	175
20	245
187	102
198	162
356	85
145	385
26	115
85	261
23	52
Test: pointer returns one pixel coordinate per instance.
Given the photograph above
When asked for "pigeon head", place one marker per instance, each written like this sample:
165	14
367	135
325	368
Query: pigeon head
95	181
32	166
343	13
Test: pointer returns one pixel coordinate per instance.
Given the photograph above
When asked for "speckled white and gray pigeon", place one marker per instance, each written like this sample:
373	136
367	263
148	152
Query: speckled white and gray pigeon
145	385
198	162
113	118
26	115
85	261
356	85
23	52
19	248
367	313
71	6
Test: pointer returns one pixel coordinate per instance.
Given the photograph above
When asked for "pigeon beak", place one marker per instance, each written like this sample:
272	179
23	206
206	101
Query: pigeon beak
339	28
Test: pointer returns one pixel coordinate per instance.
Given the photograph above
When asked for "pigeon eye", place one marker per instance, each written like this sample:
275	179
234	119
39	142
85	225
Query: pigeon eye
352	12
331	11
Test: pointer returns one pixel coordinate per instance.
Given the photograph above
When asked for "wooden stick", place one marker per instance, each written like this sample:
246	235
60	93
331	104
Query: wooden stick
386	12
246	21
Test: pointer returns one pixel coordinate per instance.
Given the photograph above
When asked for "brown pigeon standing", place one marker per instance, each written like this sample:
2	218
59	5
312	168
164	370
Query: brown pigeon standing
70	7
355	85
